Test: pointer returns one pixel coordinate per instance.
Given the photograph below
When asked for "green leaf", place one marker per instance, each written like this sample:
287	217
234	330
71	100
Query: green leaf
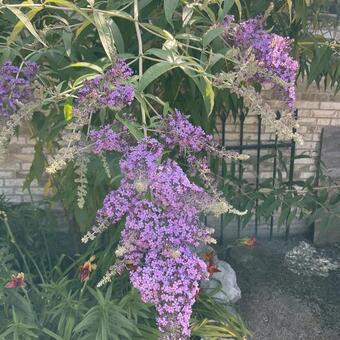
52	334
227	5
320	63
208	94
153	72
87	65
205	86
25	21
160	53
20	24
283	216
68	109
239	7
103	26
37	167
157	31
67	39
187	14
133	127
118	38
210	35
81	28
118	14
290	5
169	9
71	6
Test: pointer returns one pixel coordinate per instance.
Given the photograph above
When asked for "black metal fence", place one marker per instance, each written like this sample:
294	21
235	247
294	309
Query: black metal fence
261	145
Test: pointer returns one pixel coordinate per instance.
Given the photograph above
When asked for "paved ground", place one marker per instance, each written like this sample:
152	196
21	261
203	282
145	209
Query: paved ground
280	305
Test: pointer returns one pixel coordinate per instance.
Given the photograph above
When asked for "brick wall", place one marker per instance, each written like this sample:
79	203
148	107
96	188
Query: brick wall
317	108
15	166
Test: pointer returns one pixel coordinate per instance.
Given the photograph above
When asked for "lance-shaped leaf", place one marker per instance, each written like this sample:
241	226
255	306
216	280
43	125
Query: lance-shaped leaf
86	65
204	84
153	72
133	127
68	109
169	9
210	35
20	24
103	26
71	6
26	22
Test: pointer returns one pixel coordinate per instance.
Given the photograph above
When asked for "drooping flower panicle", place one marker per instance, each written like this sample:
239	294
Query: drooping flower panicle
110	90
162	208
272	51
16	86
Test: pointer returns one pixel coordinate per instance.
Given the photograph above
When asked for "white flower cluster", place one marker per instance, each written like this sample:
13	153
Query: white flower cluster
81	171
95	230
239	82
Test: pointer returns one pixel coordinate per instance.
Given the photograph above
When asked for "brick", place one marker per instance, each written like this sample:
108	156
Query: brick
37	191
21	140
25	166
302	104
306	121
28	149
306	175
316	137
335	122
18	182
6	174
324	113
10	166
6	191
304	161
304	113
330	106
15	198
323	121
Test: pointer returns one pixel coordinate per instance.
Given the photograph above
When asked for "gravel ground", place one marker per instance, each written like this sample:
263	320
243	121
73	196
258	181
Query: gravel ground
277	304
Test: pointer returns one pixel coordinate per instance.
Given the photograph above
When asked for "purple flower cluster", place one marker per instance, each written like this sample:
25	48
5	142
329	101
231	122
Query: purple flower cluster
162	228
105	139
272	52
162	208
110	90
16	86
178	131
171	283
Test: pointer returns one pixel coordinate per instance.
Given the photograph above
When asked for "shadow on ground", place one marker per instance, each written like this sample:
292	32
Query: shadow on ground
277	304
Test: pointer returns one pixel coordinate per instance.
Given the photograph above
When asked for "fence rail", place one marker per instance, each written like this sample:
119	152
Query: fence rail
259	146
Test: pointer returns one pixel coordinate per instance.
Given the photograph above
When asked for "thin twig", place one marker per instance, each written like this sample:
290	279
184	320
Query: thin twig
140	56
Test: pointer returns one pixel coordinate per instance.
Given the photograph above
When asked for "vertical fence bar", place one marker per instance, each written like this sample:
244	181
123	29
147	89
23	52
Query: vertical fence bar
278	116
223	172
317	179
291	173
242	118
258	148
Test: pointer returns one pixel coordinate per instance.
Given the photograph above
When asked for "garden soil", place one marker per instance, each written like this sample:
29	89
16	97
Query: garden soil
278	304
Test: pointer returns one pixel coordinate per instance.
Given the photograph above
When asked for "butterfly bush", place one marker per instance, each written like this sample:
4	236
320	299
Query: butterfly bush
110	90
272	51
162	209
16	86
20	96
262	58
160	203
